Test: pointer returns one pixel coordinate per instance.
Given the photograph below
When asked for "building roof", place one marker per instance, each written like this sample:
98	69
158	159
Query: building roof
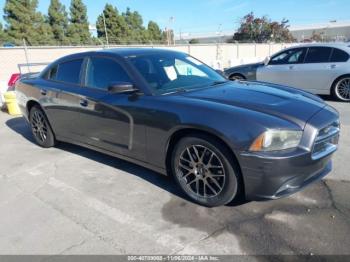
334	24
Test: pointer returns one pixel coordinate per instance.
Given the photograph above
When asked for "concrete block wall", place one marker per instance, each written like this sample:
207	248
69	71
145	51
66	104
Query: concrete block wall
218	56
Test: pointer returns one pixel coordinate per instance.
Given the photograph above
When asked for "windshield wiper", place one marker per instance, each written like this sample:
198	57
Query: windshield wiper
215	83
179	90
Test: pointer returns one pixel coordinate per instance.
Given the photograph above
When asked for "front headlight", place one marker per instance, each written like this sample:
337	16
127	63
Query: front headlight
273	140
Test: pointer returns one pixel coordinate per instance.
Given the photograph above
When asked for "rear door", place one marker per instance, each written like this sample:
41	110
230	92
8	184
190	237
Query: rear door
283	68
64	97
315	74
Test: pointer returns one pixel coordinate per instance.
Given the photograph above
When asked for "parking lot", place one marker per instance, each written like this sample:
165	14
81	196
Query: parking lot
71	200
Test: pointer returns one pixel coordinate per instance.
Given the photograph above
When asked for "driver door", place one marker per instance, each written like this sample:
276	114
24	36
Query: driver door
284	68
107	120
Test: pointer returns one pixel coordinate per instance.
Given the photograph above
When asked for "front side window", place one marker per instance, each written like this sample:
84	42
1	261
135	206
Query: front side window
169	72
339	55
318	55
291	56
68	72
102	72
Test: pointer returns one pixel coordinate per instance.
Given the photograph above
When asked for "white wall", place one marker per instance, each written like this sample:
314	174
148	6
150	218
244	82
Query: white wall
217	56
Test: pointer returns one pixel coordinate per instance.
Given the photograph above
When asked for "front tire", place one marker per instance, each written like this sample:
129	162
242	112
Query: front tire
341	89
205	171
236	77
41	128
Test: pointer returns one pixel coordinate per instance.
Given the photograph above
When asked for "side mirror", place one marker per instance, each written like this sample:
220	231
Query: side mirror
267	60
121	87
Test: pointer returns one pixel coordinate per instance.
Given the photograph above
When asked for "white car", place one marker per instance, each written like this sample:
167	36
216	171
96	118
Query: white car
322	69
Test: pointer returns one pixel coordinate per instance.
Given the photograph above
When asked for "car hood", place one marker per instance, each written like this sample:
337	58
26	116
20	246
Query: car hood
284	102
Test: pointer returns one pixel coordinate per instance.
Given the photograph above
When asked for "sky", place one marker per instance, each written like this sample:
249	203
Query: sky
202	16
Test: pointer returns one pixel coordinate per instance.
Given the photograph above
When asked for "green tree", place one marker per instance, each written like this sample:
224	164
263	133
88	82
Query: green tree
44	31
126	28
58	20
24	22
78	29
2	34
137	32
260	30
116	27
316	36
154	32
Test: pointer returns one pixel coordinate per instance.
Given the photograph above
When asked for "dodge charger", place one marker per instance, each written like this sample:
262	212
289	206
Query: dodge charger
169	112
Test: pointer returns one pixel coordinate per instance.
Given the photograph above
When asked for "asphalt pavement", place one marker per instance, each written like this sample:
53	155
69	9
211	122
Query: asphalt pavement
71	200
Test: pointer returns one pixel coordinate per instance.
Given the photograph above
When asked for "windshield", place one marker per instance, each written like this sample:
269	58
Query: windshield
172	72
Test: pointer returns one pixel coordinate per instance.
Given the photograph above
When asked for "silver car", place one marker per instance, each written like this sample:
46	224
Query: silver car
322	69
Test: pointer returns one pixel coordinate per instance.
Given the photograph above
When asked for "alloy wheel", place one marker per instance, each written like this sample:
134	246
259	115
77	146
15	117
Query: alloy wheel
39	126
201	171
342	89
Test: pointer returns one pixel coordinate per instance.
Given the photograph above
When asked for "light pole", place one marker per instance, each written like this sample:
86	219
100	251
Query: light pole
170	30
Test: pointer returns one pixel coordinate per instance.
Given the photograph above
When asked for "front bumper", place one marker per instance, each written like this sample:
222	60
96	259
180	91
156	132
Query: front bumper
269	177
272	175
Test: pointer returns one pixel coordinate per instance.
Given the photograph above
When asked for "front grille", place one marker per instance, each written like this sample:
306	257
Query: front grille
326	141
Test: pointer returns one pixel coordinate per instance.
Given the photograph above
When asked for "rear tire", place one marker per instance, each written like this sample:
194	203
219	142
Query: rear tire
341	89
41	128
205	171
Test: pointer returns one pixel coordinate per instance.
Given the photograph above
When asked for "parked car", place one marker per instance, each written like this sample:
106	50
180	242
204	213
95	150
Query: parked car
12	81
322	69
8	44
169	112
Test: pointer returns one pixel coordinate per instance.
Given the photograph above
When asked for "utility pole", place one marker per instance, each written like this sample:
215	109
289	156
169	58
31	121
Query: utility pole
219	34
104	24
26	54
167	36
170	31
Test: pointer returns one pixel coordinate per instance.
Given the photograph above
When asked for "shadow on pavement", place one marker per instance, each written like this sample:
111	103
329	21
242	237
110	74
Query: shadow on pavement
20	126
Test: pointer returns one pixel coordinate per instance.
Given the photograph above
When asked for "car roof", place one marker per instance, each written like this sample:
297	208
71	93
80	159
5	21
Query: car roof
121	52
343	46
134	51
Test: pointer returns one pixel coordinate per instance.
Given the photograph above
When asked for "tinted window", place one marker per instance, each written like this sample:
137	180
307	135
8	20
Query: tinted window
291	56
103	71
52	73
68	72
339	56
318	55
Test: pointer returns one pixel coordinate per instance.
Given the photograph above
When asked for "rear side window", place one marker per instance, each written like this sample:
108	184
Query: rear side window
51	73
318	55
102	72
339	55
68	72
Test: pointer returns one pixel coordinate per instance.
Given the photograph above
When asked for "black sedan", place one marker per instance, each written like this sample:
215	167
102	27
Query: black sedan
169	112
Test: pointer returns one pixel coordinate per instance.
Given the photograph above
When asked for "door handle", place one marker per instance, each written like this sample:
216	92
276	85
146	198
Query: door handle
43	92
291	67
83	102
333	66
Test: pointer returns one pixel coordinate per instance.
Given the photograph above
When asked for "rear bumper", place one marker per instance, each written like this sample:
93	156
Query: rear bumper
269	177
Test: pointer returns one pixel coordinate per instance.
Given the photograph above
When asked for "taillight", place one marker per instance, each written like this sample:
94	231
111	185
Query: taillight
14	78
